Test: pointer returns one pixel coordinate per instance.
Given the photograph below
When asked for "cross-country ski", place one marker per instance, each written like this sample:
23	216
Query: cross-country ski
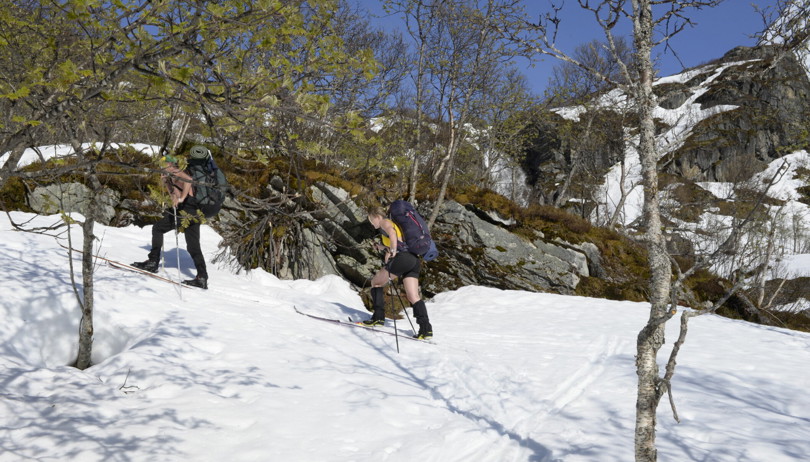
407	334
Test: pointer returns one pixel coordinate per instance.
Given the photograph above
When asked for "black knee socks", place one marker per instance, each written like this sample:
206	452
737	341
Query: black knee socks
378	303
420	312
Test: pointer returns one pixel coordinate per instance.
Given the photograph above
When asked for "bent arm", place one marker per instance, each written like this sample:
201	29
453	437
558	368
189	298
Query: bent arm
388	227
179	185
185	187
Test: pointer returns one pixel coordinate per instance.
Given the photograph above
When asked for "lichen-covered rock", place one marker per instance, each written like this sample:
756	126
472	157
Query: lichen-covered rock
73	197
475	248
504	259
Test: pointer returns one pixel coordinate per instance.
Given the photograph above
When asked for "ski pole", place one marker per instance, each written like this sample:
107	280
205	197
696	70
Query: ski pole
402	304
396	332
177	244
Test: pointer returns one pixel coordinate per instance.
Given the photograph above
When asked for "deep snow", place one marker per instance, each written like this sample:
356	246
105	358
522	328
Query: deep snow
233	373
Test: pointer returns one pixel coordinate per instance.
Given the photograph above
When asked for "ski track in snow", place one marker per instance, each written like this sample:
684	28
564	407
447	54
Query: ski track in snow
233	373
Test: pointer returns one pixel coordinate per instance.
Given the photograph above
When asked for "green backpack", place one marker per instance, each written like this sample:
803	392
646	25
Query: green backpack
210	184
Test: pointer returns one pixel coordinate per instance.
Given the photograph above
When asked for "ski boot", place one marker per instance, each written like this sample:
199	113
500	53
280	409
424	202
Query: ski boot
202	283
148	265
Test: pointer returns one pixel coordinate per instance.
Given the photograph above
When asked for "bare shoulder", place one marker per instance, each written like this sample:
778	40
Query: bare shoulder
387	224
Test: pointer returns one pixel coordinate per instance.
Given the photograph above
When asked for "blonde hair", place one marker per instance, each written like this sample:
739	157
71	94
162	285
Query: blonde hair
377	212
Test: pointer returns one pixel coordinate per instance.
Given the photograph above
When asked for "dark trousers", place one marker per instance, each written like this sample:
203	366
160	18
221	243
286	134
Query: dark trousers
192	232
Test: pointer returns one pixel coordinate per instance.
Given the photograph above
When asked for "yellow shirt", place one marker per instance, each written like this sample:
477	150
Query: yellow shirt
386	240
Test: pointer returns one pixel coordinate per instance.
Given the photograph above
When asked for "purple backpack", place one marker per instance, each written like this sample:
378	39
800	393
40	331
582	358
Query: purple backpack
415	232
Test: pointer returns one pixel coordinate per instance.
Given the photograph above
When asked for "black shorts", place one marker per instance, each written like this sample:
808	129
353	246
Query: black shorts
405	265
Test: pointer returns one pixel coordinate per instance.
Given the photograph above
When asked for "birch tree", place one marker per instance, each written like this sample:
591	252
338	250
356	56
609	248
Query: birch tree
650	27
468	52
589	140
506	118
419	16
237	64
458	54
653	24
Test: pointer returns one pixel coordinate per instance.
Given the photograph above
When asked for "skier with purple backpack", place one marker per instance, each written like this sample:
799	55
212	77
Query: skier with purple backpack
406	242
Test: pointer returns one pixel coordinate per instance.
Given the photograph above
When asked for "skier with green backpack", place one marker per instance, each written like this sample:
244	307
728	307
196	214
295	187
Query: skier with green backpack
197	194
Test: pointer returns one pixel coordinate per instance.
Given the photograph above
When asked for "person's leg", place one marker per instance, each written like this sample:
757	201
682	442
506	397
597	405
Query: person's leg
158	229
193	246
378	304
382	278
408	266
411	285
378	297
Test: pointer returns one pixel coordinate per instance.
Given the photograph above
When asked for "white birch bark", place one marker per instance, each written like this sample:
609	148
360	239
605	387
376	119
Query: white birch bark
651	337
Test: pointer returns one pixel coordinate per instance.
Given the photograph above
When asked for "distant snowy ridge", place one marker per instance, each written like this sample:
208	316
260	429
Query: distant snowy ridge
680	122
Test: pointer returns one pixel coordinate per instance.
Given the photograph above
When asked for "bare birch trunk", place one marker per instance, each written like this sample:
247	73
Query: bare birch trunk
651	337
414	179
447	165
185	121
445	168
562	192
84	356
10	166
424	16
445	160
420	71
561	197
83	360
442	191
763	267
613	220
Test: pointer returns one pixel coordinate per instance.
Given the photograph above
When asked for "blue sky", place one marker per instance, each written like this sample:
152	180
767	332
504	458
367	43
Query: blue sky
716	31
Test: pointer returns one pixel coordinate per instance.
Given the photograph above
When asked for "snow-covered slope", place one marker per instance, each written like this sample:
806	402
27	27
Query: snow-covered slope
235	374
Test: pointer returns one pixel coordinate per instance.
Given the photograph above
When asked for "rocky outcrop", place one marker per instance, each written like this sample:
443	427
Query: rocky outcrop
559	145
772	94
334	237
769	92
505	260
475	249
73	197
